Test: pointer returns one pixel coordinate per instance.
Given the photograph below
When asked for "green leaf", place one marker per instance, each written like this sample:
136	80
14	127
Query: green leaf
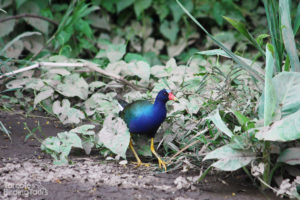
290	156
297	20
169	30
242	29
241	118
33	8
114	135
83	26
218	12
140	6
259	39
177	12
72	86
287	86
42	96
286	129
130	57
216	119
84	129
288	35
269	93
115	52
230	159
65	113
70	139
52	143
6	27
121	5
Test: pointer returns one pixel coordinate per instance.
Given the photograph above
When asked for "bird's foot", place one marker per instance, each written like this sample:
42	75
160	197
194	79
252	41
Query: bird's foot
138	164
162	163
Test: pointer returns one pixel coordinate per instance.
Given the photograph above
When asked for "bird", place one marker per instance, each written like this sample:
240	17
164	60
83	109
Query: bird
144	118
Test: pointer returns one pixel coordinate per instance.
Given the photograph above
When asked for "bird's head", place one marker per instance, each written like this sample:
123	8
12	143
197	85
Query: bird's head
166	95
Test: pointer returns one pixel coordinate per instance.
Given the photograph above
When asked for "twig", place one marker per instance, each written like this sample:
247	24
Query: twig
90	65
186	147
27	15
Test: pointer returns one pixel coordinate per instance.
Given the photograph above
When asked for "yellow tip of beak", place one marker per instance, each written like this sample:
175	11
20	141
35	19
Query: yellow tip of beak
175	99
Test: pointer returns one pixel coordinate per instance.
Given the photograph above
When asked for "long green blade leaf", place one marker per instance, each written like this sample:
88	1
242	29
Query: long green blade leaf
288	35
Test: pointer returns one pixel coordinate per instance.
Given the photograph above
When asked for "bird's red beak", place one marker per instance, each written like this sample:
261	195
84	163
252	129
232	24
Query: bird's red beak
172	97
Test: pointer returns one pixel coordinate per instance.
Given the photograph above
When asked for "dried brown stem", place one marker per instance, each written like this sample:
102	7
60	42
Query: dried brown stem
90	65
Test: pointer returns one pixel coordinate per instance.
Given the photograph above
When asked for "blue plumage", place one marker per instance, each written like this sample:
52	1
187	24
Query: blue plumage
143	117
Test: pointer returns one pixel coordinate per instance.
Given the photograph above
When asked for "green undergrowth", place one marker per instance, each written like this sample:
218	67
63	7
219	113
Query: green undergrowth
236	110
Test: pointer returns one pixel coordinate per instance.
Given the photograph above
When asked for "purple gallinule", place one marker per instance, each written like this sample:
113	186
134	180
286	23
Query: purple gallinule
143	117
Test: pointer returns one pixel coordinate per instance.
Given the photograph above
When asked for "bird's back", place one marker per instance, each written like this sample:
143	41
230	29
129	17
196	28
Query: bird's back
142	118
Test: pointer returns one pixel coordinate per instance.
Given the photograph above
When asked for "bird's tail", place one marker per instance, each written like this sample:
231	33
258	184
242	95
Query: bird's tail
122	104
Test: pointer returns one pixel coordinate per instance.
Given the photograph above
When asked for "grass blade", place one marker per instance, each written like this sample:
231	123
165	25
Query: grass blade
297	20
242	64
288	35
274	27
242	29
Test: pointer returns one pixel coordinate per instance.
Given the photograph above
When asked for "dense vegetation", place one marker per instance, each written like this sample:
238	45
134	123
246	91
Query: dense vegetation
234	65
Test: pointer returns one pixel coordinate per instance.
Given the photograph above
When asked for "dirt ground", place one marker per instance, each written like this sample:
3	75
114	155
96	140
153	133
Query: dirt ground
27	173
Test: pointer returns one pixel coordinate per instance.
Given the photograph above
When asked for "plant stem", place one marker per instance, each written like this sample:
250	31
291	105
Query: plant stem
266	160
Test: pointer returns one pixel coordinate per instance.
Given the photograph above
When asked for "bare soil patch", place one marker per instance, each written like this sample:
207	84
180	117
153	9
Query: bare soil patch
27	173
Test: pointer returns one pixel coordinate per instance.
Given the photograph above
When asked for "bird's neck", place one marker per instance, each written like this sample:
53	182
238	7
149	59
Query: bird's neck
159	105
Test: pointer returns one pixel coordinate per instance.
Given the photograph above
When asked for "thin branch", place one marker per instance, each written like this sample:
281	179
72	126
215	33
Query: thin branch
90	65
185	148
27	15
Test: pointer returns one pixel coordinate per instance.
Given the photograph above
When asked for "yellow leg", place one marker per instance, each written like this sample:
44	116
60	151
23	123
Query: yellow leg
138	160
160	161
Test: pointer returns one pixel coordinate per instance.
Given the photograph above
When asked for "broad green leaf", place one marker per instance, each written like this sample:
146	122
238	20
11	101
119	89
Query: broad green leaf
269	93
218	12
131	57
296	21
230	159
115	52
6	27
96	84
242	29
33	8
121	5
42	96
290	156
177	12
101	103
65	113
52	143
287	86
140	69
114	135
72	86
288	35
70	139
169	30
216	119
286	129
140	6
84	129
